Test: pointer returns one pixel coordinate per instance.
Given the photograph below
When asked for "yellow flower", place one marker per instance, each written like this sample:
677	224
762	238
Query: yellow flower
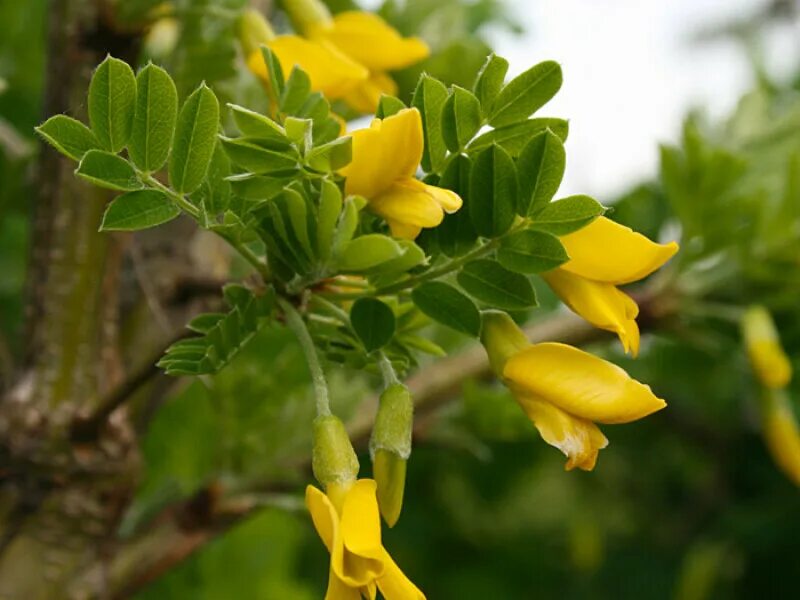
370	41
604	255
348	522
385	158
781	433
769	361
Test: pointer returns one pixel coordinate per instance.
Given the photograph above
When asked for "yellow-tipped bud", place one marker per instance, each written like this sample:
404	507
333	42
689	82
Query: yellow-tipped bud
502	339
333	459
781	433
162	37
253	30
305	14
390	447
769	361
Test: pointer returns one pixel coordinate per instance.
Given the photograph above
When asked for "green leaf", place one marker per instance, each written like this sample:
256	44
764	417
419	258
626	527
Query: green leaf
297	211
154	118
274	71
456	235
256	187
531	251
388	106
330	207
568	215
445	304
138	210
488	281
348	221
332	156
108	171
195	137
541	167
526	93
429	98
112	100
255	125
257	159
297	89
70	137
368	251
461	118
373	322
513	138
490	80
492	192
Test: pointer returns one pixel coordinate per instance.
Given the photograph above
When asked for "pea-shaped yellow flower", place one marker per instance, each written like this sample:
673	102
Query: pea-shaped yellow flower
385	159
564	390
769	361
781	433
604	255
369	41
349	524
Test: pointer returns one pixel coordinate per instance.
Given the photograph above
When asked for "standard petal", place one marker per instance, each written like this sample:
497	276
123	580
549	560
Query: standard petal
781	434
602	304
394	585
330	71
580	440
607	251
365	96
369	40
447	199
409	203
580	383
385	153
323	514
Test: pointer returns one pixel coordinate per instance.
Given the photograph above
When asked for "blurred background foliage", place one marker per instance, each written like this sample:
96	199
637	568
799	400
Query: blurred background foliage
686	504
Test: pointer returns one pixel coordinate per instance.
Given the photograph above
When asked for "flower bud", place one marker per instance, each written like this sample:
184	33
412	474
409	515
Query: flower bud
162	37
305	14
333	459
390	447
769	361
781	433
502	339
253	30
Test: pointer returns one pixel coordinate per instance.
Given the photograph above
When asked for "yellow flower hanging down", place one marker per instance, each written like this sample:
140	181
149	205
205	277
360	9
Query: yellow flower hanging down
385	158
348	522
369	41
781	433
564	390
763	345
604	255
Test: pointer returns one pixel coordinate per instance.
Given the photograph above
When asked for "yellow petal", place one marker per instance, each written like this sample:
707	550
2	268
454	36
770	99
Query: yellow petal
323	514
339	590
580	440
782	435
394	585
362	558
385	153
403	231
607	251
409	203
330	71
369	40
365	96
602	304
580	383
447	199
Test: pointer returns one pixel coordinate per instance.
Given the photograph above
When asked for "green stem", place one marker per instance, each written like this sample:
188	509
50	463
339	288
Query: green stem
295	322
387	370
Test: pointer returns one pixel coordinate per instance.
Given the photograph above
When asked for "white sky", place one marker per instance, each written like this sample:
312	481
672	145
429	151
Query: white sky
630	75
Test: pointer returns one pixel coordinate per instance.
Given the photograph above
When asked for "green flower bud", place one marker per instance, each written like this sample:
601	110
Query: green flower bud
253	30
390	447
333	459
502	339
305	14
